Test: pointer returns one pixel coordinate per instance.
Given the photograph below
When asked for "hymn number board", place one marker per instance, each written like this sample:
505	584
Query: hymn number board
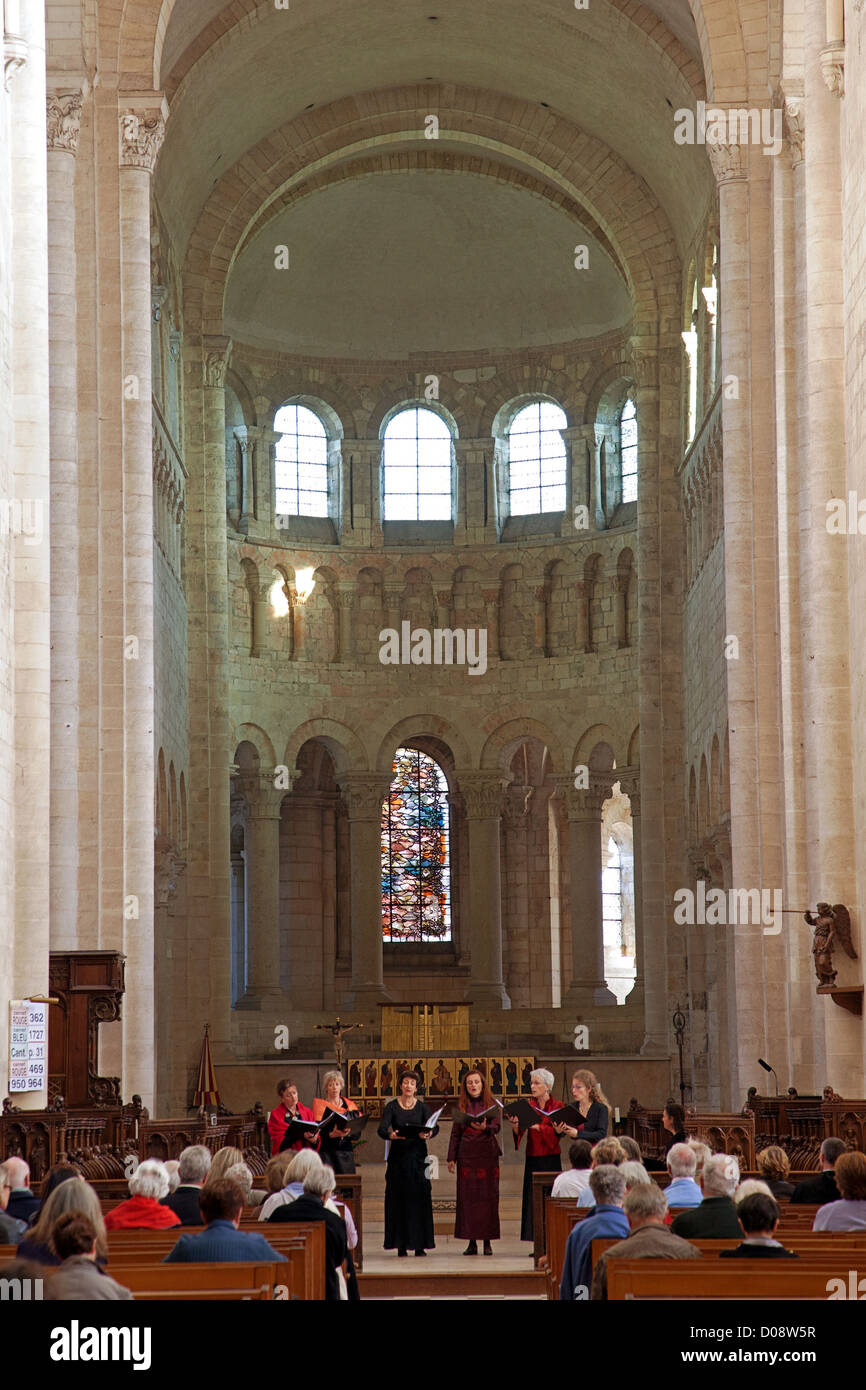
28	1046
375	1078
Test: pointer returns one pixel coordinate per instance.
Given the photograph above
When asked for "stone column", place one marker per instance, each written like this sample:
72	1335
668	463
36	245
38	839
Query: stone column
630	784
476	505
587	988
63	126
247	442
579	439
262	874
260	598
168	991
25	892
482	798
363	793
346	610
596	509
361	521
265	478
140	136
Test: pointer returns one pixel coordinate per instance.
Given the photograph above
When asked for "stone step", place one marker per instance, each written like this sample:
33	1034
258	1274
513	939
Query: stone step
431	1282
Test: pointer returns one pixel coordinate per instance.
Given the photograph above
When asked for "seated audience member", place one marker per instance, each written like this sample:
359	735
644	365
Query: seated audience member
143	1210
572	1182
682	1190
631	1148
193	1168
221	1205
650	1238
61	1172
22	1202
275	1172
319	1185
11	1228
243	1176
222	1161
634	1174
849	1213
748	1187
774	1167
716	1217
822	1188
605	1151
73	1196
608	1219
80	1278
297	1168
701	1152
758	1214
172	1167
673	1120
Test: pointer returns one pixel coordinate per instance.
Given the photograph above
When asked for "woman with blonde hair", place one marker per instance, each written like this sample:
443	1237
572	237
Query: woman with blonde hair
336	1146
593	1105
774	1167
75	1195
223	1159
299	1165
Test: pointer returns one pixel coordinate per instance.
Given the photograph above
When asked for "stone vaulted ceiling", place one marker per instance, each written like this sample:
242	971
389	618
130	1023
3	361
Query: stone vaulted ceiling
616	71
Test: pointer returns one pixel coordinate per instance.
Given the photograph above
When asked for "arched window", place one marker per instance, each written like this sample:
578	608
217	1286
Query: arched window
301	468
628	450
690	342
536	460
611	896
417	467
416	851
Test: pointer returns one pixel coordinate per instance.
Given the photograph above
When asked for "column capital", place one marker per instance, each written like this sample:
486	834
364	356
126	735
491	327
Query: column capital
141	119
578	434
833	67
263	800
644	361
372	447
581	803
727	160
485	445
363	793
247	435
216	356
63	120
794	125
482	794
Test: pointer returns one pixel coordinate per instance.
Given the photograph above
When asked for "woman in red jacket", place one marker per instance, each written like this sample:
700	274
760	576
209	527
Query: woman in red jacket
143	1210
288	1109
542	1144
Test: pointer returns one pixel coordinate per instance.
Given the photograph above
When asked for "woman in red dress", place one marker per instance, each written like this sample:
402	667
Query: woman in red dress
474	1153
542	1144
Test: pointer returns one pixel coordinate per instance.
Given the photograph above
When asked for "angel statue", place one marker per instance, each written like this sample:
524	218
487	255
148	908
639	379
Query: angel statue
830	923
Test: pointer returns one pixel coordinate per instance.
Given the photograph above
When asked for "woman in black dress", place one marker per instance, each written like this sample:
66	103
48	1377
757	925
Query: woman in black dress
593	1105
408	1194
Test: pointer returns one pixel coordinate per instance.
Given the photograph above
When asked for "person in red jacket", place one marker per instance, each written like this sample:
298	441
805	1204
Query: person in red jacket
289	1108
143	1210
542	1144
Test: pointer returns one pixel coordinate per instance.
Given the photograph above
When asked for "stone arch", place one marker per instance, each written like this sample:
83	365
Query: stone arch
345	747
693	806
319	405
172	802
547	384
633	756
703	798
383	413
254	736
161	795
599	736
504	740
570	160
715	804
415	726
181	811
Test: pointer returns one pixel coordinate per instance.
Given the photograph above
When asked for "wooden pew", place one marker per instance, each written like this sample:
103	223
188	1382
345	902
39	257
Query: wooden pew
833	1243
722	1279
158	1282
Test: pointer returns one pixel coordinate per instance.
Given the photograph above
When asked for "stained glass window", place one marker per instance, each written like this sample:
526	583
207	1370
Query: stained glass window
536	460
416	858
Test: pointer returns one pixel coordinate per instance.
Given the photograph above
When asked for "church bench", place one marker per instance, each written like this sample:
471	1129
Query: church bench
722	1279
253	1281
831	1243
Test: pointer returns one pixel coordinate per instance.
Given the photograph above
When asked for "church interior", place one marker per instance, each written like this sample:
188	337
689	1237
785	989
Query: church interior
430	569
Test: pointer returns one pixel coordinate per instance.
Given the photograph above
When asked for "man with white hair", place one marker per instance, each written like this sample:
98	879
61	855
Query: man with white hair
716	1217
143	1210
22	1202
319	1185
194	1166
650	1238
682	1190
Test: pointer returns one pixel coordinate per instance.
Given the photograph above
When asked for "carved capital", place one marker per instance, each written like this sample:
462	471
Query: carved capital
15	57
727	161
482	794
363	793
794	119
141	133
264	799
217	353
833	68
644	364
175	339
581	803
63	120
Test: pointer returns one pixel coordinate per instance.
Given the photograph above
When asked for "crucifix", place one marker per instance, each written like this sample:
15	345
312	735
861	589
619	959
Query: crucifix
338	1030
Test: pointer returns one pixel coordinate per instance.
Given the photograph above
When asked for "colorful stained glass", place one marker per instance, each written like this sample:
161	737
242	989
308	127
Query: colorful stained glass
416	857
